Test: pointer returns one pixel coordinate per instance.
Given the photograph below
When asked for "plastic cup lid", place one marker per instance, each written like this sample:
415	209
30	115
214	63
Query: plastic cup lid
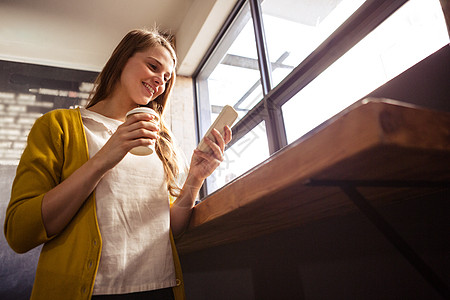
146	110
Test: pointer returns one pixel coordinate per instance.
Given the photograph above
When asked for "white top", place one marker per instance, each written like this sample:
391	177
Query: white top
134	218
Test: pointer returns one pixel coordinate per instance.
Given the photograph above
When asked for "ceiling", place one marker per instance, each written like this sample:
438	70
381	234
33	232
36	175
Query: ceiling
81	34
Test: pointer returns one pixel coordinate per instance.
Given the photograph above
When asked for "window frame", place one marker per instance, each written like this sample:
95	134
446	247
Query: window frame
363	21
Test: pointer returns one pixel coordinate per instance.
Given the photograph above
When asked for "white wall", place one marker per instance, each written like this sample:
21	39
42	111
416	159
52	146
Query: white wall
180	115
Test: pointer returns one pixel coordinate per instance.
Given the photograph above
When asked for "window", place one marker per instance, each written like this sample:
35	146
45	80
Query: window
288	66
413	32
232	77
246	153
294	29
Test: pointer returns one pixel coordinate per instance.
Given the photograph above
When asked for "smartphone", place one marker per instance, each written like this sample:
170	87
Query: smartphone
226	117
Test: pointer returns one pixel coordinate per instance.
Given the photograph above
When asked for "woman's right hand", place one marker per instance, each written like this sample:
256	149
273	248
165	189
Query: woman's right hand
61	203
137	130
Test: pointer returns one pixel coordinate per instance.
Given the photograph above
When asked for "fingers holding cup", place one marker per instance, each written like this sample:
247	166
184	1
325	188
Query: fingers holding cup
146	149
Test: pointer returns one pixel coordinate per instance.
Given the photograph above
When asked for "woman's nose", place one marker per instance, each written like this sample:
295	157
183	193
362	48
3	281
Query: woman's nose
158	79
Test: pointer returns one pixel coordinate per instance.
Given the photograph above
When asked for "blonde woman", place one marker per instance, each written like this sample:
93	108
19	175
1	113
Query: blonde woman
102	213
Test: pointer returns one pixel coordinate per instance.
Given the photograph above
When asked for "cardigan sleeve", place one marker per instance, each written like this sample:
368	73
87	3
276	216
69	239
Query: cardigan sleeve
39	170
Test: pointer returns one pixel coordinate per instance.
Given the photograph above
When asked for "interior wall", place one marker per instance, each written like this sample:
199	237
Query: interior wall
180	115
16	270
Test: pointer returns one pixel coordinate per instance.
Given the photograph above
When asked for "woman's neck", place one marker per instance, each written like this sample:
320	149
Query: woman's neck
112	109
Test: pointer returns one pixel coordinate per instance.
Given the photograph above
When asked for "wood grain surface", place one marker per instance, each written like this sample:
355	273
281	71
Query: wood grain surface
372	140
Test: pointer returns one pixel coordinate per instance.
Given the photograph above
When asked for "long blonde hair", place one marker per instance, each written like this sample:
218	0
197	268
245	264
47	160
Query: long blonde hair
136	41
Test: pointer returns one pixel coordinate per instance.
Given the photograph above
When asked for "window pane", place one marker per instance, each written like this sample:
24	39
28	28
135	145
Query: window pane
232	74
241	157
412	33
294	29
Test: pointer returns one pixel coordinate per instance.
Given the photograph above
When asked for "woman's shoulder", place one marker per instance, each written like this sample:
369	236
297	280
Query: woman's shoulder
60	115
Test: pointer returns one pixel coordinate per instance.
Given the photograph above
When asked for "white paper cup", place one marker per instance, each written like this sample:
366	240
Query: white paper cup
144	150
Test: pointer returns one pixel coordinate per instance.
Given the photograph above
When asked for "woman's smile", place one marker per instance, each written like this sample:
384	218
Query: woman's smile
149	88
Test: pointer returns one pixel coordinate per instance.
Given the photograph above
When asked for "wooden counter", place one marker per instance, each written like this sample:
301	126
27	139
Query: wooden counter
388	149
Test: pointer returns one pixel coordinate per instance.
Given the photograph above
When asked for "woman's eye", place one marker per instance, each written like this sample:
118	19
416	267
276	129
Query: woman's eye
152	66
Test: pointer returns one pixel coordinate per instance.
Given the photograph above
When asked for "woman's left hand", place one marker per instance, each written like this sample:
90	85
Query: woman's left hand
203	164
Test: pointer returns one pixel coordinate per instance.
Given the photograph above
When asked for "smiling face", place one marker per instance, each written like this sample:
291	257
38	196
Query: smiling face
145	75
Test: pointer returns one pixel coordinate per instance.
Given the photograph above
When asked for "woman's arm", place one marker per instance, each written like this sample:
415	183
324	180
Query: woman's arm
180	211
202	165
61	203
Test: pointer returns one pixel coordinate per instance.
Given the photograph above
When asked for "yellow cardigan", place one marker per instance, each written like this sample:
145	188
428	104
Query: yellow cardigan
68	261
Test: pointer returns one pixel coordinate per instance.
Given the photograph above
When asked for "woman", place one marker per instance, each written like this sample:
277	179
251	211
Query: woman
102	213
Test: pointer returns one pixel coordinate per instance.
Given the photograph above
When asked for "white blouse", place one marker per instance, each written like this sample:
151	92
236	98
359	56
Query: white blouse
134	218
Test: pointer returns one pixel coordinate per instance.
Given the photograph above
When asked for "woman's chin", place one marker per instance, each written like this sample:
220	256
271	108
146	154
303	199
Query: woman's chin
143	102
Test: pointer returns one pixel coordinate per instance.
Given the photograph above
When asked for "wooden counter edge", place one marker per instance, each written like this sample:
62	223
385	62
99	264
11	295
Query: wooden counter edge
364	125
